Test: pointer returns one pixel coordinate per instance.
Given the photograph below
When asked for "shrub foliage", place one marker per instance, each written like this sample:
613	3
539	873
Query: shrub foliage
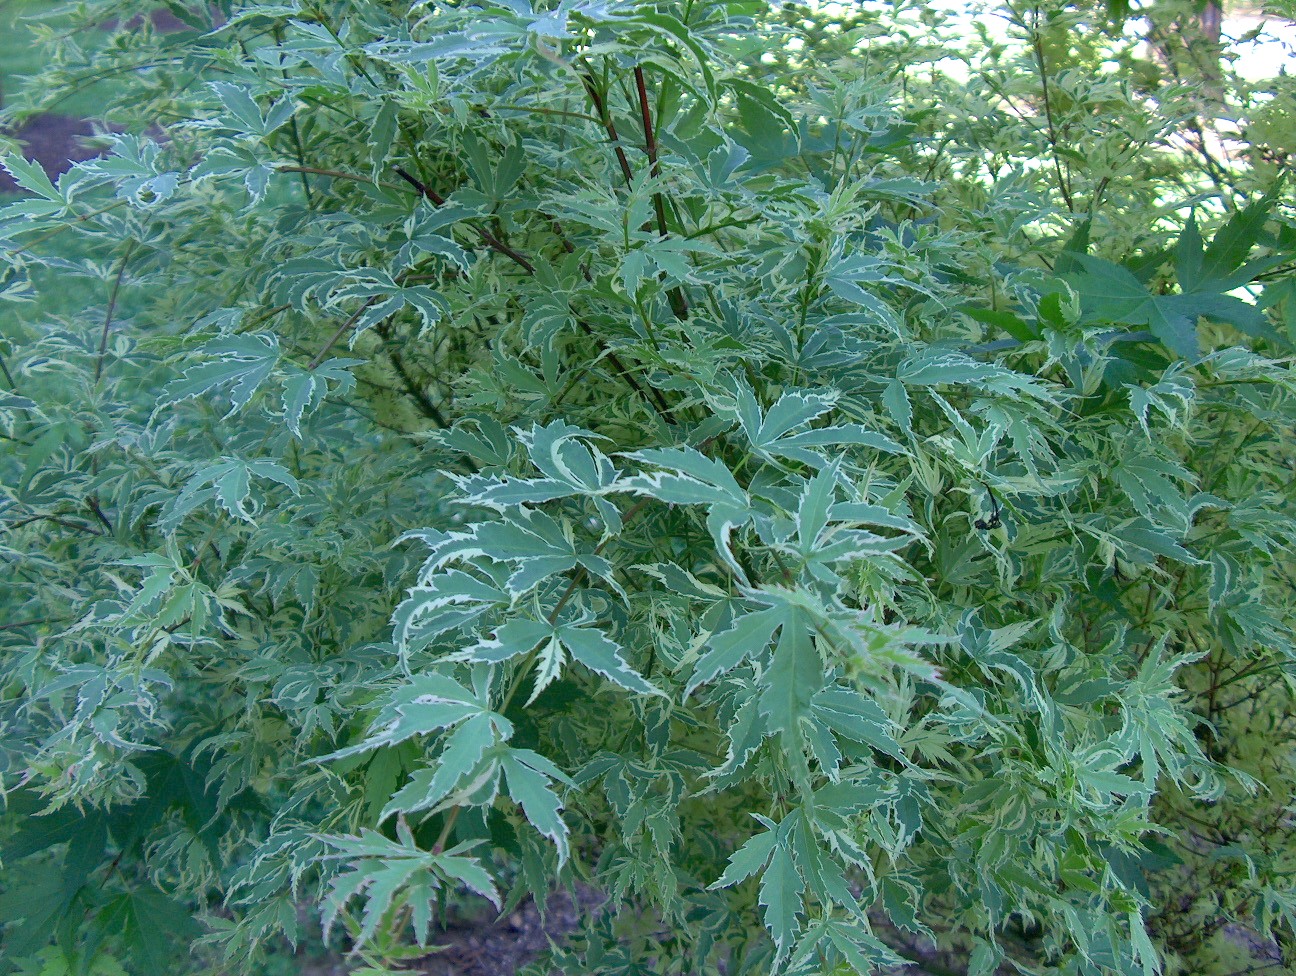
707	452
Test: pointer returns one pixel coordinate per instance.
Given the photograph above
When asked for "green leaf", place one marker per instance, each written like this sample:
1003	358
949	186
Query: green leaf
749	859
149	924
748	636
462	754
1232	243
527	777
795	675
592	648
240	364
781	889
428	703
382	135
1110	293
29	175
852	715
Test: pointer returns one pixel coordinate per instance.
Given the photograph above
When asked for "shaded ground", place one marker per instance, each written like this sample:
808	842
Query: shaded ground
54	141
485	946
478	947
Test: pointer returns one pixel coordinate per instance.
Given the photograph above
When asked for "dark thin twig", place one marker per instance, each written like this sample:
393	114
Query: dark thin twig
489	239
79	526
650	147
1063	185
498	246
415	391
14	625
343	329
4	368
601	108
679	305
294	129
93	502
112	308
334	174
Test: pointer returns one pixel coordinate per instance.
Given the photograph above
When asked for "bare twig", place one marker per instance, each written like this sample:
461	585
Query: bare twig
112	308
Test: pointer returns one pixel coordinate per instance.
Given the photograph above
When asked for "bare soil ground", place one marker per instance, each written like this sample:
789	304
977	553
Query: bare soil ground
54	141
482	945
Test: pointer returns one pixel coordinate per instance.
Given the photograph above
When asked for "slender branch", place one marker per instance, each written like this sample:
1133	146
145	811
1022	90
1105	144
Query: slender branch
436	198
679	305
1063	185
412	387
601	108
650	147
343	329
547	111
489	239
82	218
500	247
567	245
112	307
295	131
93	502
15	624
4	368
334	174
57	520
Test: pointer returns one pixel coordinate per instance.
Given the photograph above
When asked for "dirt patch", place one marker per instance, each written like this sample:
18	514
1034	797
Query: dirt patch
164	20
492	947
482	945
56	142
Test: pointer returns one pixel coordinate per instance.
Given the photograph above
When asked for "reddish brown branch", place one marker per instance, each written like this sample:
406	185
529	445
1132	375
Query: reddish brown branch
489	239
601	108
679	305
495	244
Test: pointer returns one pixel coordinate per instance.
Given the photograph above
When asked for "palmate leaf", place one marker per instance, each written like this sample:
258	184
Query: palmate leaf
429	702
528	777
856	717
1149	481
536	543
795	674
229	482
936	367
243	113
781	889
151	926
791	863
1111	293
748	635
751	857
387	874
444	601
772	433
32	908
239	364
29	175
587	645
462	755
691	478
304	390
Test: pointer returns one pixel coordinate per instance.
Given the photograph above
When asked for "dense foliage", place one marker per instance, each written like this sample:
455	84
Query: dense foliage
822	479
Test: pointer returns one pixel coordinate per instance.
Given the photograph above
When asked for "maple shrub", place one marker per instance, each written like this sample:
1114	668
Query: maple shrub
820	506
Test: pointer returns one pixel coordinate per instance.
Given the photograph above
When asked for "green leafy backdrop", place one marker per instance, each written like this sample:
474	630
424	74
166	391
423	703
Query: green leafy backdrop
695	450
